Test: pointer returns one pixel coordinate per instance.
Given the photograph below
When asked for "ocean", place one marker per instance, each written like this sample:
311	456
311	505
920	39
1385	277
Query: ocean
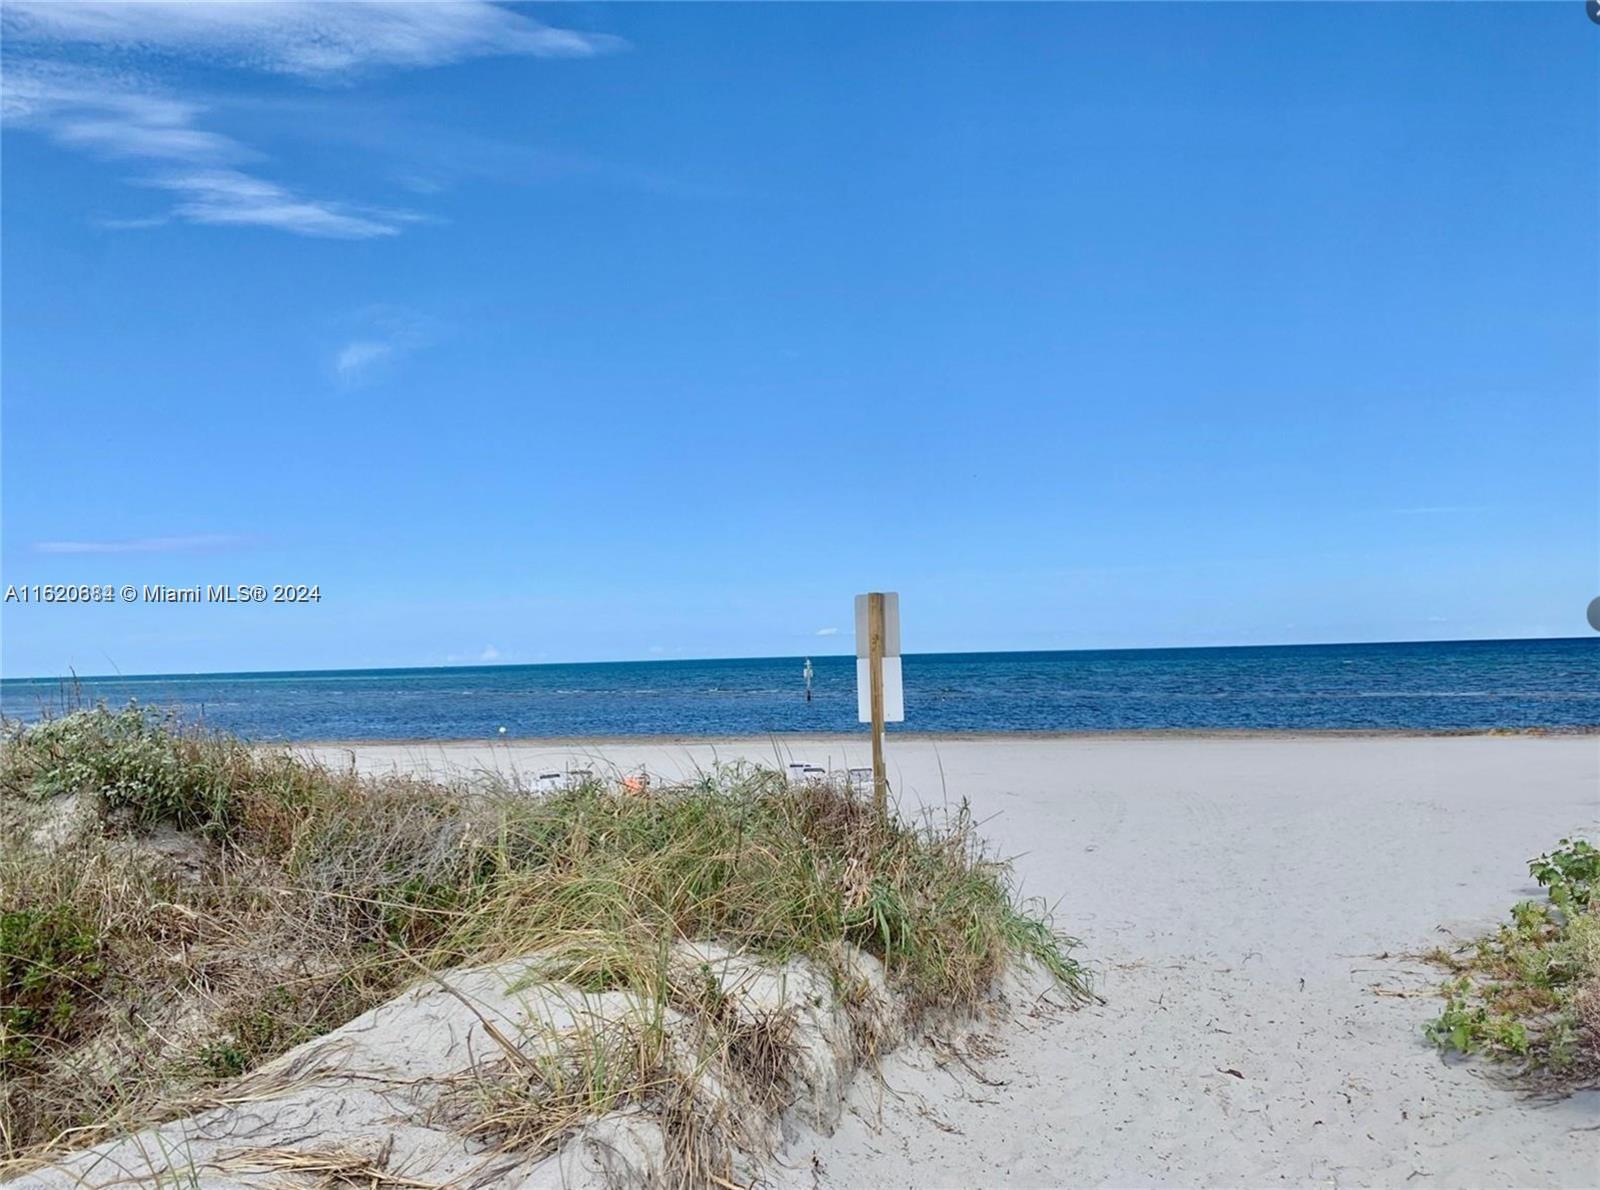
1436	686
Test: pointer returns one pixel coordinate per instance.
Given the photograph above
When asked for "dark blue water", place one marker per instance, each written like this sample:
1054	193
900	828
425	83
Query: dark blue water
1469	685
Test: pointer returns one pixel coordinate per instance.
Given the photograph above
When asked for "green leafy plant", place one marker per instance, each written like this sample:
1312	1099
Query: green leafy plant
224	1059
1530	991
49	961
1468	1027
1571	873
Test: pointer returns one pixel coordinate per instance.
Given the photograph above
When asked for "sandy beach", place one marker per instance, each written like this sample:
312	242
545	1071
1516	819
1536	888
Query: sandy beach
1247	903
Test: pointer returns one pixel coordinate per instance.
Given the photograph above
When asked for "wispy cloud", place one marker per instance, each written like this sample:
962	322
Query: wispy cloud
357	358
144	545
124	117
301	37
387	334
827	632
228	196
95	105
134	224
43	88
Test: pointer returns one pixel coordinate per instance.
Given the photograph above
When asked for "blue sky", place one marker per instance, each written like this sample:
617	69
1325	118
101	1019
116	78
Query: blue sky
594	332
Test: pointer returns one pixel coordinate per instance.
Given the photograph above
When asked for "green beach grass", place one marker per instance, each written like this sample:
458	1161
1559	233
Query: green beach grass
178	907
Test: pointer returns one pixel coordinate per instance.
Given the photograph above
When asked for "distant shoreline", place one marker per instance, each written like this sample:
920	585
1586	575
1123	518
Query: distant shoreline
976	737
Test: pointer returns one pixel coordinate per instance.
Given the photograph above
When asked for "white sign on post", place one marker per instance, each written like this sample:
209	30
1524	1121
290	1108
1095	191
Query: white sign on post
894	698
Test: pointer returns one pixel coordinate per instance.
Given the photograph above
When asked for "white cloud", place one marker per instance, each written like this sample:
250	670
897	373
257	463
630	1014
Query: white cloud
227	196
356	359
386	335
300	37
143	545
36	88
114	113
490	653
827	632
122	137
135	224
123	117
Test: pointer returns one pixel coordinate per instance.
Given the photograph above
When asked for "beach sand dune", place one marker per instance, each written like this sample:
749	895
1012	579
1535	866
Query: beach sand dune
1248	903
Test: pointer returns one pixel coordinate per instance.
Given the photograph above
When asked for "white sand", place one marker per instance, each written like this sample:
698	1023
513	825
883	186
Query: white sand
1234	894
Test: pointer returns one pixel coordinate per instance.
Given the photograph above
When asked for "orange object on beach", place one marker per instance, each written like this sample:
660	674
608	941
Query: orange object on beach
639	784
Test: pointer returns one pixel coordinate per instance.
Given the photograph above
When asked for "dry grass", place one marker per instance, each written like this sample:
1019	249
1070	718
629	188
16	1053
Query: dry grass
527	1104
220	904
323	1169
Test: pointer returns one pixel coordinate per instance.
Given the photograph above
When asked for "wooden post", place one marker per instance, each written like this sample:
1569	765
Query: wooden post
875	634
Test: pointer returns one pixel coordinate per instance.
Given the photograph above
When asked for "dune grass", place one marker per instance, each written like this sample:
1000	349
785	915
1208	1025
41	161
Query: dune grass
177	907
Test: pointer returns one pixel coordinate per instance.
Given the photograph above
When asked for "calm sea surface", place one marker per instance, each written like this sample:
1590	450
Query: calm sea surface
1436	686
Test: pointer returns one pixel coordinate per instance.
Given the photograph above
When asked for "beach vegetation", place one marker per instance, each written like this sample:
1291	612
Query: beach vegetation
180	907
49	963
1528	994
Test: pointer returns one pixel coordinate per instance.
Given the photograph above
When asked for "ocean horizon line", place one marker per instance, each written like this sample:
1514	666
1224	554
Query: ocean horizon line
506	666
